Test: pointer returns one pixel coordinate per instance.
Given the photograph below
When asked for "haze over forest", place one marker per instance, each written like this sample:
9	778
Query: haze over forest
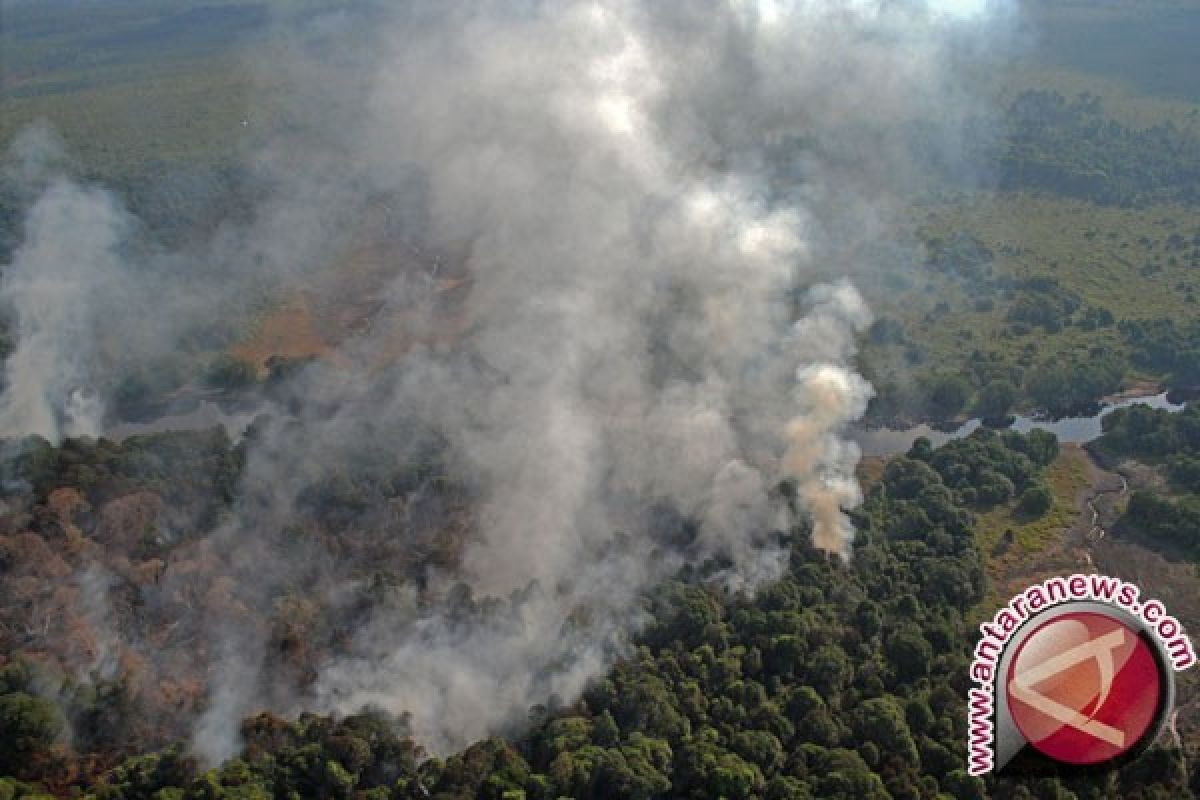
409	400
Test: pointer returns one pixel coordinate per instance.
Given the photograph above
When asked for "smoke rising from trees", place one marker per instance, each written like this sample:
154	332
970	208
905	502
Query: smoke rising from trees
647	205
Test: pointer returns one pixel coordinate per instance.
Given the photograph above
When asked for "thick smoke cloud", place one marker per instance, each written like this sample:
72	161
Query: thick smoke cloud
646	208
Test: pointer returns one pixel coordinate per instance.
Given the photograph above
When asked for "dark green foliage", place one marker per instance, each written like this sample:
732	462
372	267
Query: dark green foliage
194	472
887	330
15	676
1174	522
961	254
996	399
1069	146
1044	303
141	776
1184	472
1147	433
1035	501
986	467
839	680
28	726
1165	345
1061	388
805	690
1092	318
178	464
141	393
1041	446
947	395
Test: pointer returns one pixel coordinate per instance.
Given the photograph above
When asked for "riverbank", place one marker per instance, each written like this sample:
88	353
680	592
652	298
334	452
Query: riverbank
1069	430
1110	550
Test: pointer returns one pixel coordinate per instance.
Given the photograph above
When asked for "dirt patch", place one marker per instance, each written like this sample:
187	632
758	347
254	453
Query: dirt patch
1176	584
289	331
870	471
1097	497
1137	388
1021	551
1112	551
396	294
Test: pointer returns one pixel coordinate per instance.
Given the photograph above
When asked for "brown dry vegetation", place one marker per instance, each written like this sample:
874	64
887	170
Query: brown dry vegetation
115	587
363	291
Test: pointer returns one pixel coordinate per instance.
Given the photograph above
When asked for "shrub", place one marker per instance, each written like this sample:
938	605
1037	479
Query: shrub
1035	501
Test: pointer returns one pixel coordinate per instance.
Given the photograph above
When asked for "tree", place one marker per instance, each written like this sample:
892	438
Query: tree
759	747
995	399
830	670
880	720
843	775
887	330
28	726
947	395
993	487
1041	446
907	478
605	730
1035	501
909	654
959	784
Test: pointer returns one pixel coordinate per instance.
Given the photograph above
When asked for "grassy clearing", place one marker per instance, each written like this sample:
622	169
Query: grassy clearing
1099	252
1020	551
1115	259
1040	548
132	83
184	112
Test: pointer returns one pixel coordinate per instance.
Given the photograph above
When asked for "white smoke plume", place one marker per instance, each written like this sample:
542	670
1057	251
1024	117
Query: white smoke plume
648	207
71	239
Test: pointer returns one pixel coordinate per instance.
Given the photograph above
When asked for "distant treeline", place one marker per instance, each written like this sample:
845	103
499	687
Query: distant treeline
1070	147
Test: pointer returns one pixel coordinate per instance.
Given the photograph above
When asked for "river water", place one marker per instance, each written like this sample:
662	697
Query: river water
873	441
888	441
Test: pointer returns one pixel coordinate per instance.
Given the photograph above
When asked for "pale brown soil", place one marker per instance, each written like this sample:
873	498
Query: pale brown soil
289	331
1175	582
363	293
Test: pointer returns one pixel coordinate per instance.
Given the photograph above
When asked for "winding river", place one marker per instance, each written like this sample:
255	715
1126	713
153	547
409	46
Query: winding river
873	441
888	441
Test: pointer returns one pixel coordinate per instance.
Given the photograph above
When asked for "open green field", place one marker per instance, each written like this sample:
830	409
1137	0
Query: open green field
139	86
189	111
1129	264
1097	252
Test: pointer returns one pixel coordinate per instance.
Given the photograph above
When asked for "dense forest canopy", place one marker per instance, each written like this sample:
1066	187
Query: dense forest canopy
839	680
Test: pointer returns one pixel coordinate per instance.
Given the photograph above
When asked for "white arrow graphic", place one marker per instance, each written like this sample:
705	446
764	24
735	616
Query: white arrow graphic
1101	650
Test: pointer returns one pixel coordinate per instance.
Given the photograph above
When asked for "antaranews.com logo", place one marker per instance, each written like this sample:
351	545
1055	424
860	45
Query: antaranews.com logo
1077	670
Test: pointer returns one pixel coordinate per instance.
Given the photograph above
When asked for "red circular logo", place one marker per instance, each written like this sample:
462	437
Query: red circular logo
1084	688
